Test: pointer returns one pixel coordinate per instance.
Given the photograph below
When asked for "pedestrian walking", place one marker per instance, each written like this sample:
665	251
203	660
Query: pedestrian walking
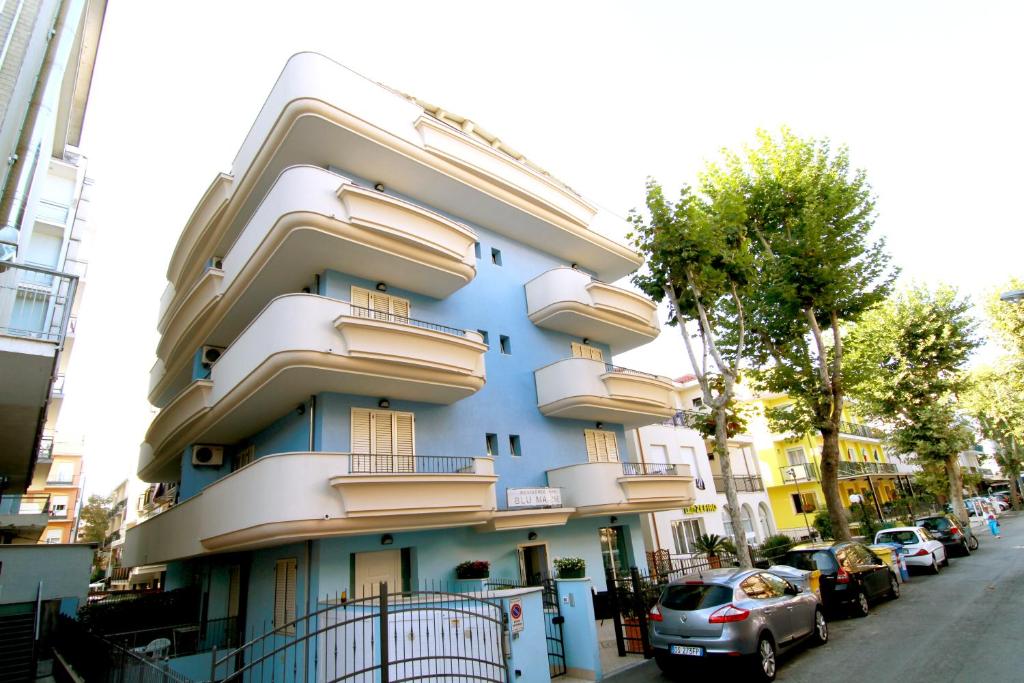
993	525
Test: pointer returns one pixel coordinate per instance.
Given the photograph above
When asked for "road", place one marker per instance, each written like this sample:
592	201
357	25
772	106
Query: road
963	625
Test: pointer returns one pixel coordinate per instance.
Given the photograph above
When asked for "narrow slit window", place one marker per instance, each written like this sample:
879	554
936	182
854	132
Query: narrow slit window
506	345
476	249
496	256
492	444
514	446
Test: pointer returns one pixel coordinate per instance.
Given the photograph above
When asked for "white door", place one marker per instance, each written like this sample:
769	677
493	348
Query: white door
372	568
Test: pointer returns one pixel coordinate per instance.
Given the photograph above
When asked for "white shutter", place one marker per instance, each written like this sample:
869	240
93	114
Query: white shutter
405	442
381	305
602	446
577	350
595	353
591	439
586	351
361	440
360	297
284	595
611	446
400	307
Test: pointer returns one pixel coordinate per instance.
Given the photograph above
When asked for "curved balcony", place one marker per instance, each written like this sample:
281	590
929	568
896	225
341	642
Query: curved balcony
296	496
303	344
570	301
310	221
600	488
319	112
584	389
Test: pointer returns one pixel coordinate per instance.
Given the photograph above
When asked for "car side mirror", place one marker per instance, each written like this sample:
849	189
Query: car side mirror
793	590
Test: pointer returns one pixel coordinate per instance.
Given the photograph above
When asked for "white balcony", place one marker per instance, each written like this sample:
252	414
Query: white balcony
296	496
321	113
584	389
600	488
312	220
570	301
303	344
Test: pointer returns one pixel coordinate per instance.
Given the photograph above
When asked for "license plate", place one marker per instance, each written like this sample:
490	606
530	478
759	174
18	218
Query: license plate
686	650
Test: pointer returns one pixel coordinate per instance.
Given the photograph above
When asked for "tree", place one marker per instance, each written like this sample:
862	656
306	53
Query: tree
809	217
94	518
906	365
698	258
996	400
1007	318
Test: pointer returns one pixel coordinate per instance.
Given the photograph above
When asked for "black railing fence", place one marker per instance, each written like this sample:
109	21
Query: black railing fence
608	367
744	484
364	312
373	463
634	469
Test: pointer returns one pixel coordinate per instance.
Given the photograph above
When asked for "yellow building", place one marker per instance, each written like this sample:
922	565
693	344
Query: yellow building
791	469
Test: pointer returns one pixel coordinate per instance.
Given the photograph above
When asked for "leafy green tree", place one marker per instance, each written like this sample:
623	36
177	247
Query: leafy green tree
699	259
906	366
94	518
809	217
1007	318
996	400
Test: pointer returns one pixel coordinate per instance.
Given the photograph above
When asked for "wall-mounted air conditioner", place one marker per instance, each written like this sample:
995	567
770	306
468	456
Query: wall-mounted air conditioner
207	456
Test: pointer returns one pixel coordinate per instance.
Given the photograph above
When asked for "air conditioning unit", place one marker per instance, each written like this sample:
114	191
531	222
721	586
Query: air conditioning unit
207	456
211	354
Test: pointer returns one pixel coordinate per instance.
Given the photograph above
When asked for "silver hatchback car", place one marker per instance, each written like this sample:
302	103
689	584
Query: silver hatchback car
745	613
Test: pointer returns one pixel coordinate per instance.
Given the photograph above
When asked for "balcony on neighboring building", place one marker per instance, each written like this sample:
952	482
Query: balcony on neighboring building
291	496
598	488
799	472
23	518
571	301
861	430
848	469
585	389
303	344
744	484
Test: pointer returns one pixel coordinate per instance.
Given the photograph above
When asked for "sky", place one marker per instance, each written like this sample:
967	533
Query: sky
927	95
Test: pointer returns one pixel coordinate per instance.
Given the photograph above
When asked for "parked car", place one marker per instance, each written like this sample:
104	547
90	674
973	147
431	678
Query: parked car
946	529
851	575
724	613
919	547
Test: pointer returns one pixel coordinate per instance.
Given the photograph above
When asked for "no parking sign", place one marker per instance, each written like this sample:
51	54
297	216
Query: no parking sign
515	614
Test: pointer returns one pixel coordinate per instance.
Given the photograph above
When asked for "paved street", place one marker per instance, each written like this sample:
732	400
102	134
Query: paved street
963	625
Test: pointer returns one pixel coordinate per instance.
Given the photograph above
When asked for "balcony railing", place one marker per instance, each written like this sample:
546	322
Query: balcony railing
35	302
860	469
608	367
807	471
363	312
183	639
860	430
410	464
744	484
639	469
25	504
57	389
63	481
45	452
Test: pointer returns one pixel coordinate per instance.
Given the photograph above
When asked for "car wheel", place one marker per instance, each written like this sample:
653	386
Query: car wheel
934	569
819	636
945	560
972	543
765	659
965	549
894	587
860	604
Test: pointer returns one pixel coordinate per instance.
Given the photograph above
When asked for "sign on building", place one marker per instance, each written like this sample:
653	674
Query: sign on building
534	498
698	509
515	615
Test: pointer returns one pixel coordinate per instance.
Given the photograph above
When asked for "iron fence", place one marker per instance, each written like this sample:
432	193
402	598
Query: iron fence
634	469
860	469
805	471
553	621
744	483
384	316
179	640
44	454
373	463
35	302
856	429
608	367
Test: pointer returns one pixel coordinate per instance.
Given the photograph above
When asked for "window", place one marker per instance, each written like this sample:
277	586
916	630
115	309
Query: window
506	344
689	597
864	454
53	536
476	249
586	351
730	531
746	521
496	256
796	456
492	444
379	305
284	596
804	502
62	472
244	457
757	588
851	454
686	532
514	447
602	446
809	560
877	459
688	456
383	441
59	506
487	337
778	586
697	402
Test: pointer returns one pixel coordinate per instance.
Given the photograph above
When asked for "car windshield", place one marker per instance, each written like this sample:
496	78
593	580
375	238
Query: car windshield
810	560
905	537
689	597
935	524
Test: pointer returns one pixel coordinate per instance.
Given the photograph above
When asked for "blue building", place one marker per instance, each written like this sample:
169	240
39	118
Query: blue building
385	350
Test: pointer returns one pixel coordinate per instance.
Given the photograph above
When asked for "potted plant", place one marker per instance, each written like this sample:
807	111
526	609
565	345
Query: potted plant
711	545
570	567
473	569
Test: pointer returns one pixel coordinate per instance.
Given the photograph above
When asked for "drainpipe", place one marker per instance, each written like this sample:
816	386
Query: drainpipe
312	422
24	162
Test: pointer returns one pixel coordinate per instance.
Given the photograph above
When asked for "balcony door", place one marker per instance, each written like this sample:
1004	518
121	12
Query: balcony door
383	441
586	351
379	306
602	446
373	568
533	563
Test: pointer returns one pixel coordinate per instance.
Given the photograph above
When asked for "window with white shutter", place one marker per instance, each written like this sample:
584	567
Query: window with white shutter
284	596
379	305
383	441
602	446
586	351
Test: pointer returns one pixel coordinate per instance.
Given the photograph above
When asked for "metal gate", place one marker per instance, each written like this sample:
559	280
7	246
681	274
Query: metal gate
428	635
553	621
630	597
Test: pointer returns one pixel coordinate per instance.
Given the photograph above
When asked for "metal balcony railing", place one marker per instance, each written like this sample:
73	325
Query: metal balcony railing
856	429
807	471
373	463
363	312
25	504
45	452
860	469
35	302
639	469
608	367
744	484
61	480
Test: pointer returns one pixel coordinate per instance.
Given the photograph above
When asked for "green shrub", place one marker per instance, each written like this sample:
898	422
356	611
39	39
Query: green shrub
823	524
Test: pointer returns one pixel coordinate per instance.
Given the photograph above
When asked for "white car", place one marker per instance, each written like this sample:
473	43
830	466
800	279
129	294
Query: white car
919	548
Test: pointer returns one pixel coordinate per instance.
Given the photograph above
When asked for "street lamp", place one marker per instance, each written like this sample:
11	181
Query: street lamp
1013	296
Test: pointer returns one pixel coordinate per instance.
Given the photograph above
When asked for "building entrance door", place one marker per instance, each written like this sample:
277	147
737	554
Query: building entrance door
613	551
373	568
533	561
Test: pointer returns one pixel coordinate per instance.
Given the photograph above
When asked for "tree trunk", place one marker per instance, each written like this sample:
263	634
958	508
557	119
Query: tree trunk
722	453
1015	492
956	490
830	484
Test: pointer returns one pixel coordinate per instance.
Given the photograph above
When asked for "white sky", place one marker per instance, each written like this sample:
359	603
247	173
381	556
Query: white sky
927	95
